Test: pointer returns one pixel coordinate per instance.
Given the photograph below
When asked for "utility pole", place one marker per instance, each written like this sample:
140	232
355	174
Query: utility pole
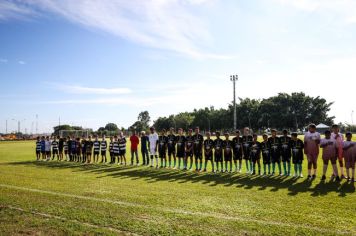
36	123
234	78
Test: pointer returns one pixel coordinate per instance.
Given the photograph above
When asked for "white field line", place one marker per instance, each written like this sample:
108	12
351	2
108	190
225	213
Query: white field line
68	220
178	211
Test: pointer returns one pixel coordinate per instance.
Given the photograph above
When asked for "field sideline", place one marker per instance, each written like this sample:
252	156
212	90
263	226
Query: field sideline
60	198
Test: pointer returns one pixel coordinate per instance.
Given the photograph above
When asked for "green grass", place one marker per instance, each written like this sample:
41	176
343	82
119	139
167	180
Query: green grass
60	198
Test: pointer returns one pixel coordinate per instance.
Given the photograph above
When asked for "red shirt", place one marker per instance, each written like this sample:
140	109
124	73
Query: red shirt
134	142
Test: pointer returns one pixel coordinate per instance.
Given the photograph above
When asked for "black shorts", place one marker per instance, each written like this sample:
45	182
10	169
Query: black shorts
48	153
228	157
162	155
43	152
208	156
237	157
103	153
218	157
122	152
55	152
286	158
188	154
60	150
198	156
266	159
247	156
297	160
171	151
96	152
65	152
276	158
180	154
88	153
38	152
116	154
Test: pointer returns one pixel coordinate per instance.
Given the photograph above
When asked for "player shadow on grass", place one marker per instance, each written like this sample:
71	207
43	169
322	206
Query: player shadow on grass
246	181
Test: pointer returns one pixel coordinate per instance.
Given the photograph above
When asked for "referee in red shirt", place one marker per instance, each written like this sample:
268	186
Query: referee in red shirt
134	143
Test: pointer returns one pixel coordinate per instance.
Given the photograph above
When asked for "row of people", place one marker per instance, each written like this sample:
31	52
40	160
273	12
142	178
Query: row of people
223	154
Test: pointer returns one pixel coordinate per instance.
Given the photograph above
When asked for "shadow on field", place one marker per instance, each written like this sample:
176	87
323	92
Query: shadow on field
151	175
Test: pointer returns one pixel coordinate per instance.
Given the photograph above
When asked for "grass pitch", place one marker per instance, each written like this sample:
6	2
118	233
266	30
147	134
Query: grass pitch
60	198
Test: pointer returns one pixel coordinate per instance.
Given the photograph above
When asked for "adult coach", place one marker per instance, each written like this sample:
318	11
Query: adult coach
153	140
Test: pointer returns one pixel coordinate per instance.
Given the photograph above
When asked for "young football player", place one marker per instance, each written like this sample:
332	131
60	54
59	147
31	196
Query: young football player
181	148
79	157
237	148
266	155
96	146
122	148
43	148
48	144
172	140
111	149
246	144
89	149
297	147
339	138
227	149
84	149
103	147
349	155
198	149
275	144
255	155
311	149
60	147
153	142
286	152
162	148
144	149
38	148
134	144
116	150
218	152
189	143
65	148
208	151
329	147
73	149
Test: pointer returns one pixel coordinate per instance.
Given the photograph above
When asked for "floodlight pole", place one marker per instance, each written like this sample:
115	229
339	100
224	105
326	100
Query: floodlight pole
234	78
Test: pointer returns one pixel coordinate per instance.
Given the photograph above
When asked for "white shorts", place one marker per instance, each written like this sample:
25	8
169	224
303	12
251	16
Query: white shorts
153	151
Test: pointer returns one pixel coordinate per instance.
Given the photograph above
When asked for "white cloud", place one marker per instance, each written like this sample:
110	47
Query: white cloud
340	10
13	10
168	25
22	62
91	90
3	60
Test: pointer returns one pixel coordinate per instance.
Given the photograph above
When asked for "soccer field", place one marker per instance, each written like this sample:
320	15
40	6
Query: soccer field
60	198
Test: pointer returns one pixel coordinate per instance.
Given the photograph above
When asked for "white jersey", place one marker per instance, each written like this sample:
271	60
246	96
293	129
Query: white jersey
48	146
153	139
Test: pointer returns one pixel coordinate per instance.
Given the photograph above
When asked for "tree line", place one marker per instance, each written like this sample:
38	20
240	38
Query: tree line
284	111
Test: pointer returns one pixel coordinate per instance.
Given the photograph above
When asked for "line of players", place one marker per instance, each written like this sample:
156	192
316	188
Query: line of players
223	154
81	150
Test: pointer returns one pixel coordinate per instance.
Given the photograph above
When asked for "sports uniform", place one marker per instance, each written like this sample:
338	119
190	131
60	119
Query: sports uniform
227	150
172	140
255	156
218	153
297	147
198	151
275	145
286	153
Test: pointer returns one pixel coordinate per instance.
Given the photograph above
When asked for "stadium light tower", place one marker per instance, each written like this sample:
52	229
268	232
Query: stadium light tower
234	78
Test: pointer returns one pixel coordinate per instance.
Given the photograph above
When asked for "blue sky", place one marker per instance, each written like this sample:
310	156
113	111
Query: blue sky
93	62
